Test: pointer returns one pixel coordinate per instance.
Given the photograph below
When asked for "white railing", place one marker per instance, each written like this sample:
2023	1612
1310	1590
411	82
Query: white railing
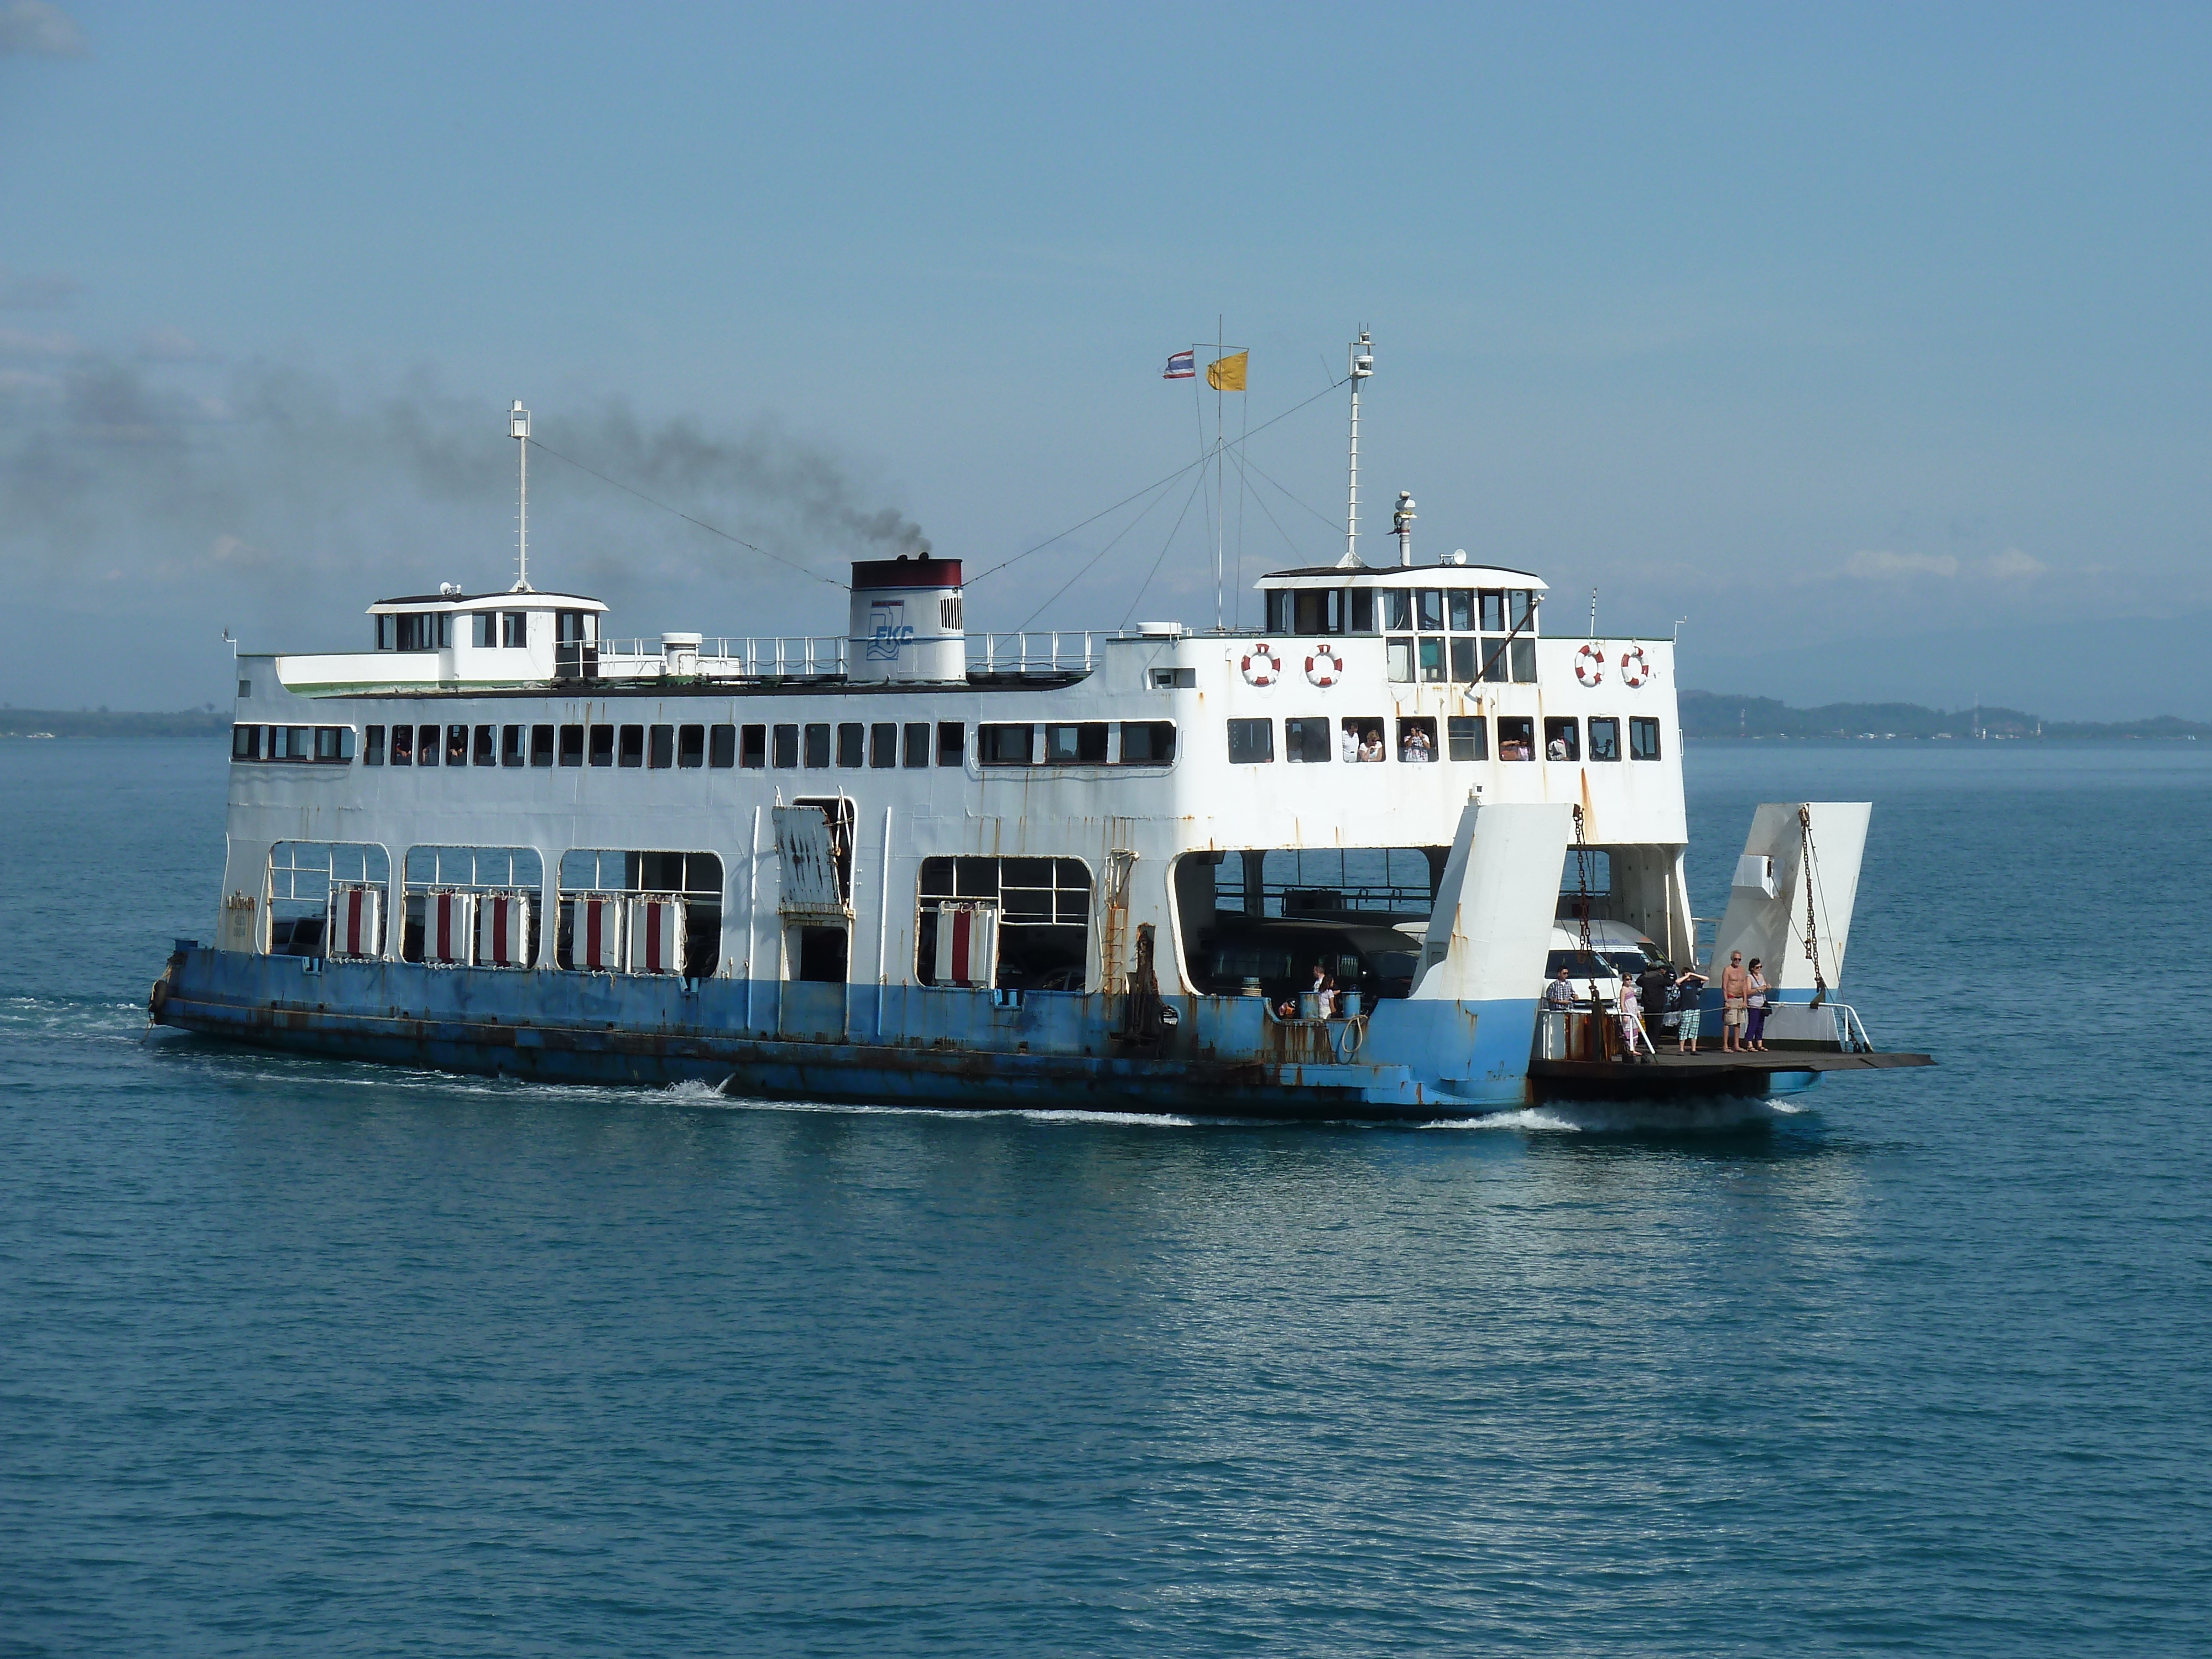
1058	652
726	657
1832	1022
824	656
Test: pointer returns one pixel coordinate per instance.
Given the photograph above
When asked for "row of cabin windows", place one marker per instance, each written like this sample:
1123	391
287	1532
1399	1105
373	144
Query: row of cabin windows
1362	738
1437	661
326	744
1077	743
882	744
504	630
1314	612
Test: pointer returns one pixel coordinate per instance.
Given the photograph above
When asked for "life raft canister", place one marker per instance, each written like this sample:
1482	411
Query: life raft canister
1324	668
1589	665
1635	666
1261	665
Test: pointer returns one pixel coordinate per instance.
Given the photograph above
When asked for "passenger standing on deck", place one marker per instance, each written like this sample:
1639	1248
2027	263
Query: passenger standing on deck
1631	1022
1735	993
1652	986
1687	998
1754	1034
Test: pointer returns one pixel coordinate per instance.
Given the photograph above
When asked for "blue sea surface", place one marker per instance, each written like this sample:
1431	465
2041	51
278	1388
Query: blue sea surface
299	1357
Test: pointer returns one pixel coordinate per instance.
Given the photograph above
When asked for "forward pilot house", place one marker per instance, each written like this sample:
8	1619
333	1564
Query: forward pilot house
910	863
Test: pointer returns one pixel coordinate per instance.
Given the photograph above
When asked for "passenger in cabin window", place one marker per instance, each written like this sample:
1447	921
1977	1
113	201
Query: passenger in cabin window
1370	746
1415	745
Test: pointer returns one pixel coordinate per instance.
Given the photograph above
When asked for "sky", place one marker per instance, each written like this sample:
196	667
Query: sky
1871	341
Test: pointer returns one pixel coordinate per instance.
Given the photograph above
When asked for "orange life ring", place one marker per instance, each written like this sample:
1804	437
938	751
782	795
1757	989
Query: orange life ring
1324	668
1635	666
1589	665
1262	666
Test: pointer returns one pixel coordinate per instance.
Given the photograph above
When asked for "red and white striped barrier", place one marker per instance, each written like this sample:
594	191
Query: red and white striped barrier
967	944
448	922
597	944
354	911
656	935
503	930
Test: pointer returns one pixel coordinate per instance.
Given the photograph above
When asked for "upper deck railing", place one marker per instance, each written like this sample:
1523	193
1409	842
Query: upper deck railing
827	656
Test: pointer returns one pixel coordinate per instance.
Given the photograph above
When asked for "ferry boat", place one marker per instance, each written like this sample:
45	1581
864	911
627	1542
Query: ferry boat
905	863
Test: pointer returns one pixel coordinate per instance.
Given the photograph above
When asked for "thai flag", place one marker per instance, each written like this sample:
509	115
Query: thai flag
1182	366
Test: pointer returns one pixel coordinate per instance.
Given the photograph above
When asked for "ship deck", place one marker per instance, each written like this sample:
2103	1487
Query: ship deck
1707	1073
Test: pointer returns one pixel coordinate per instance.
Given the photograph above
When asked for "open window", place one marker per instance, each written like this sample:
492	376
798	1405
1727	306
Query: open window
814	854
1258	922
326	899
471	906
1011	923
640	911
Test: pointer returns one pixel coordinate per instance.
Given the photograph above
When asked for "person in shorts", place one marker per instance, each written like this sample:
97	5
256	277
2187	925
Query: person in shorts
1686	1000
1736	1001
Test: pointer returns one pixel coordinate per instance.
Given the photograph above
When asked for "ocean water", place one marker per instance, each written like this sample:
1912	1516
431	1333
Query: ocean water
307	1357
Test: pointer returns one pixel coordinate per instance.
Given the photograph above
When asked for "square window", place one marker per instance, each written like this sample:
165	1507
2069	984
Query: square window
484	629
1401	661
917	743
1497	664
514	630
603	745
660	747
1491	607
1417	739
1362	740
752	747
427	744
326	742
1516	737
633	745
722	746
402	746
691	745
1605	739
1005	745
572	746
245	743
1306	742
1563	739
882	744
1468	736
1466	657
372	745
1319	610
1459	608
1518	607
1429	609
456	745
487	745
1524	660
1251	743
1433	662
818	745
1147	742
951	743
1277	610
787	746
1362	610
541	746
852	743
1397	608
1059	744
1642	739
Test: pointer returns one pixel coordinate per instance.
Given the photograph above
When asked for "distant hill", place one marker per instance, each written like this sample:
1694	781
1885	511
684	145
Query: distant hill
103	723
1716	715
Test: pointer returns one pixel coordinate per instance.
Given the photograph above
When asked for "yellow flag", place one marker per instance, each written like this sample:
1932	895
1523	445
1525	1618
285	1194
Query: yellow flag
1227	373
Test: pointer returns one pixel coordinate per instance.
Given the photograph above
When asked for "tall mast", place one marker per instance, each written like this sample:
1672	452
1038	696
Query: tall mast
1220	502
518	427
1363	364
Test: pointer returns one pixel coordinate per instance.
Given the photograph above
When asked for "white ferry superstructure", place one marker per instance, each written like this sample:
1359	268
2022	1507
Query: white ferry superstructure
909	864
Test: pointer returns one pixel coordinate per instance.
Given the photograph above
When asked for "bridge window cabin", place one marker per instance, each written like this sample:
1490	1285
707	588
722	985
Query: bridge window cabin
1445	625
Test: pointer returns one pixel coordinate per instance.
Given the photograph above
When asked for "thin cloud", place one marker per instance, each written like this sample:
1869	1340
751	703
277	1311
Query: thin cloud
36	290
1882	565
37	29
2012	565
